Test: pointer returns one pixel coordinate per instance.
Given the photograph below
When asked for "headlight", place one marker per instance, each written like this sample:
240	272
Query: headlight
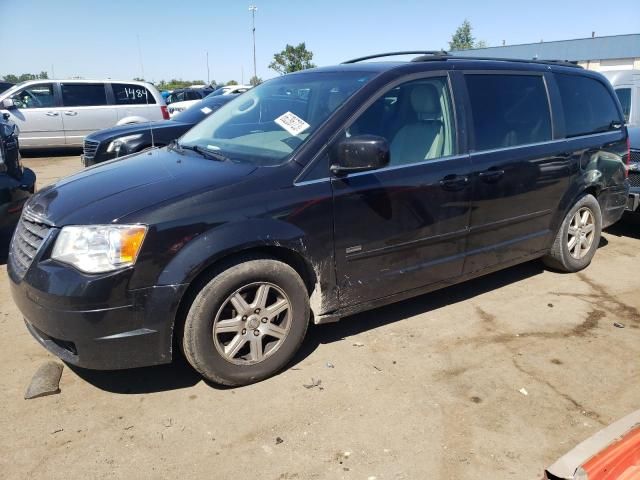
99	248
116	145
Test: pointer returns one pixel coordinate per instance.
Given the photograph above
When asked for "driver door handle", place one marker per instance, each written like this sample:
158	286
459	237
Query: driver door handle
71	113
51	114
454	182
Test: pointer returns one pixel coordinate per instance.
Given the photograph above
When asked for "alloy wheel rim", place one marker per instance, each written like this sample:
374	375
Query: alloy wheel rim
581	233
252	323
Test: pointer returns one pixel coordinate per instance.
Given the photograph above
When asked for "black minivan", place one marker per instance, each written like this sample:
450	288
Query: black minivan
314	196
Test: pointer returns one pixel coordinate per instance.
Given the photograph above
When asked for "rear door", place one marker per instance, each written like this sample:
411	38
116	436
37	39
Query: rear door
84	110
37	115
404	226
520	172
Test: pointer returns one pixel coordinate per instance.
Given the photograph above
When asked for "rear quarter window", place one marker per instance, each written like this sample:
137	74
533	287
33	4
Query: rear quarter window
129	94
588	105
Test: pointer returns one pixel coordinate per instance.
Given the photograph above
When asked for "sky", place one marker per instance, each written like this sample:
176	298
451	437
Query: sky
162	39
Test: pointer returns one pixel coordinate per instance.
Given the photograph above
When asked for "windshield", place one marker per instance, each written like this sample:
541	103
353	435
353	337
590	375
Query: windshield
266	124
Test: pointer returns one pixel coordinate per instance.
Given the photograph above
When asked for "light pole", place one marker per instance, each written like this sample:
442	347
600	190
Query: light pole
253	9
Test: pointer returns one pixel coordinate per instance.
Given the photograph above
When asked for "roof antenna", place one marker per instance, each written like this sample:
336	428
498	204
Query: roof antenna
146	91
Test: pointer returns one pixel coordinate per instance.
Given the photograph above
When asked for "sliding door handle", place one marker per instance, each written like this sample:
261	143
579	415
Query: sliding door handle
491	175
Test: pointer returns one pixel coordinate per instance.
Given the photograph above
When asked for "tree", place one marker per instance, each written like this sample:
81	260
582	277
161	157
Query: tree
232	82
255	81
138	79
463	38
10	78
481	44
292	59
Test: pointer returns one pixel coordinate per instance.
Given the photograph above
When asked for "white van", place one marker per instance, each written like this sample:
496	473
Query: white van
60	113
626	83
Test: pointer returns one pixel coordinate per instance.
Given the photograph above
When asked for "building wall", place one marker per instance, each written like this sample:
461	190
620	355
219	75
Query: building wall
611	64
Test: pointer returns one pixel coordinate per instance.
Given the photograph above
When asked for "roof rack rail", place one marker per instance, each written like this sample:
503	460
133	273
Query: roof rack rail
563	63
433	54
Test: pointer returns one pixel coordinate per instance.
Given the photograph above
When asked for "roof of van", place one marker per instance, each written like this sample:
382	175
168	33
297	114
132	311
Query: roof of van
445	61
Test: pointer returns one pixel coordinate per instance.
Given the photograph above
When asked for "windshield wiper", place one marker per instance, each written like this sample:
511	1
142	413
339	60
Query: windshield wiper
212	155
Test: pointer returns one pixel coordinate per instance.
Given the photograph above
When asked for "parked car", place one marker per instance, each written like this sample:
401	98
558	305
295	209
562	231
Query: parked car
17	183
61	113
634	169
180	100
314	196
5	86
116	142
626	84
612	453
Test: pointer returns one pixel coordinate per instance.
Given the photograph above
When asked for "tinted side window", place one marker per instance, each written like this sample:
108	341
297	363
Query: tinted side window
83	94
416	118
35	96
508	110
128	94
587	104
624	95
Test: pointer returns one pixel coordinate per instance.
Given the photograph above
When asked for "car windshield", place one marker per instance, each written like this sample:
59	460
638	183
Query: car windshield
265	125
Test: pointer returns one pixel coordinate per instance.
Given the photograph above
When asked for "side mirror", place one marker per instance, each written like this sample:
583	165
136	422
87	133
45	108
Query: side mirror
359	154
8	104
5	116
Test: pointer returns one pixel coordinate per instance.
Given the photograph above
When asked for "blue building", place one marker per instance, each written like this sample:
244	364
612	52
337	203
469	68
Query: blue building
616	52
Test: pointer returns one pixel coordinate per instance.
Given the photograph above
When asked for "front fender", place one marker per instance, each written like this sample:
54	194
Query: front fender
259	233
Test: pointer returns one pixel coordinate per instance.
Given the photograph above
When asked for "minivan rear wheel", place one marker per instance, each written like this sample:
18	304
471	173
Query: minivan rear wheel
578	237
247	322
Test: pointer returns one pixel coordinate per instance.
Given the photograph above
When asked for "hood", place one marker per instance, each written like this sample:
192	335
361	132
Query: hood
107	192
131	129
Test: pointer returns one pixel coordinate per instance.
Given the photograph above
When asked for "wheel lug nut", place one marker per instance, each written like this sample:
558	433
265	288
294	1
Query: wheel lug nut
244	330
256	332
244	318
264	320
257	310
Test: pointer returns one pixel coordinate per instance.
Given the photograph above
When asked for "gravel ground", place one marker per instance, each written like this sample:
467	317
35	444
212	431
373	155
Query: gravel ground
427	388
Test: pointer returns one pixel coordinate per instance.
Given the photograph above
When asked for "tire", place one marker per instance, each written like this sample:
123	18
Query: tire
565	259
230	354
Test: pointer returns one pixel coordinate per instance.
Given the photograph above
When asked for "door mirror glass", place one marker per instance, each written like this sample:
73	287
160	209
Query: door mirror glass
359	154
8	104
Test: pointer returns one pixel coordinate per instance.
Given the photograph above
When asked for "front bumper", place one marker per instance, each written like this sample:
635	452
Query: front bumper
95	322
633	202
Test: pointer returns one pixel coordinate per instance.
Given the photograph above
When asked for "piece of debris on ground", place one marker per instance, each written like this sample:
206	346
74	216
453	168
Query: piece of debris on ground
46	381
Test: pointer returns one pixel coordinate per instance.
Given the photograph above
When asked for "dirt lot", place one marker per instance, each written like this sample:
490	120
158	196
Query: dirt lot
425	389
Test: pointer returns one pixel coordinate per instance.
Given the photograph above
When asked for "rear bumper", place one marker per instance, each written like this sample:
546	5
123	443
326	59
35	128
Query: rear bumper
613	203
133	330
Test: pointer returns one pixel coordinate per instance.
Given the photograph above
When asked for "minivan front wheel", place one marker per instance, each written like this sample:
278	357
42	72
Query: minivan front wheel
247	322
578	238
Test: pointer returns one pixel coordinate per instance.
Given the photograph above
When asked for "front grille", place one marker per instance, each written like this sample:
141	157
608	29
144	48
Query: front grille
26	243
635	156
634	179
90	148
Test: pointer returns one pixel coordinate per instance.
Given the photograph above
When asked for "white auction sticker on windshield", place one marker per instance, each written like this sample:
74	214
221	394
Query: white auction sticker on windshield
206	110
292	123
